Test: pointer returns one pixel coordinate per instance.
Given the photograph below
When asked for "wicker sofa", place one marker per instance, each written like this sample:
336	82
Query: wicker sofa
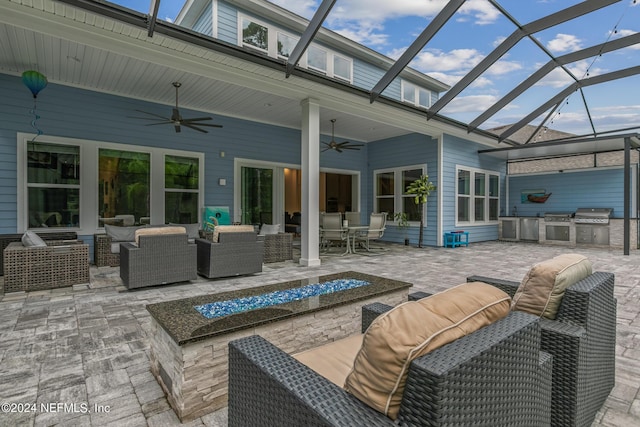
582	340
233	254
5	239
59	264
494	376
158	259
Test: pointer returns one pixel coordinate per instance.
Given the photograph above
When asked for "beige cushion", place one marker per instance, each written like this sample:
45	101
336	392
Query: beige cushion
153	231
413	329
230	229
543	287
333	360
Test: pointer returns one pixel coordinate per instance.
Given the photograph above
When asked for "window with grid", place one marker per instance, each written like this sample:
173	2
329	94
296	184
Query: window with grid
477	196
390	191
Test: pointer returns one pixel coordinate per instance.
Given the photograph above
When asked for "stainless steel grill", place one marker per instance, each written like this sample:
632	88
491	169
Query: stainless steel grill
593	215
558	216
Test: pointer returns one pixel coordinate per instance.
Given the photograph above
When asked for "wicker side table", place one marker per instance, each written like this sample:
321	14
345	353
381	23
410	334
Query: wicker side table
59	264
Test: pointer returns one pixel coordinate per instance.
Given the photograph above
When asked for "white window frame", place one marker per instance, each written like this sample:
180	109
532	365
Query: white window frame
88	204
472	196
398	190
404	84
272	51
270	42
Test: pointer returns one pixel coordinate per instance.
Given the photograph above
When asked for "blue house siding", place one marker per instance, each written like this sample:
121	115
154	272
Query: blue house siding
459	152
365	75
204	24
603	188
80	114
407	150
227	23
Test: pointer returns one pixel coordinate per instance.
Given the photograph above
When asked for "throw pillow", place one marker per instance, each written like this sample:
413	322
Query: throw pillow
120	234
155	231
193	230
543	287
31	240
269	229
230	229
413	329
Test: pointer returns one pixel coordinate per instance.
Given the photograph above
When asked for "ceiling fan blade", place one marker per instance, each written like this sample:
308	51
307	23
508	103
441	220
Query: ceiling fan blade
197	119
167	122
153	114
144	118
338	150
212	125
350	148
194	127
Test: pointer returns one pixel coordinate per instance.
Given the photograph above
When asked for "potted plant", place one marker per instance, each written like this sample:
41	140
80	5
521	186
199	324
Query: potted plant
420	189
402	224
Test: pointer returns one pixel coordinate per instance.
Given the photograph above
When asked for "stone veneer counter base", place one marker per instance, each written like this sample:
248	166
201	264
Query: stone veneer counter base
189	352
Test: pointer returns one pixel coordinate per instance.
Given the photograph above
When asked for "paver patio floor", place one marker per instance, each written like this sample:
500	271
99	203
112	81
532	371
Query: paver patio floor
83	351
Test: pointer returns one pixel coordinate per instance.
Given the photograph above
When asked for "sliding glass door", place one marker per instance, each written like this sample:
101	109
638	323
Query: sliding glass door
257	195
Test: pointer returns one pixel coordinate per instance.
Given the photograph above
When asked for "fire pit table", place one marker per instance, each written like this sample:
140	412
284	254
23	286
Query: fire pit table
189	337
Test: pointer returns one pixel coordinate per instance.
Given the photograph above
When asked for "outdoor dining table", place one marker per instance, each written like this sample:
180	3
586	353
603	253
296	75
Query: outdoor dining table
352	230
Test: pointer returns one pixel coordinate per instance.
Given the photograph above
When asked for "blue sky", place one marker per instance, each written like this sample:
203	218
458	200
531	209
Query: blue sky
389	27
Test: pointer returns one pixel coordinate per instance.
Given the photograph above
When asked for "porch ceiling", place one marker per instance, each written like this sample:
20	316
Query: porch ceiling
78	48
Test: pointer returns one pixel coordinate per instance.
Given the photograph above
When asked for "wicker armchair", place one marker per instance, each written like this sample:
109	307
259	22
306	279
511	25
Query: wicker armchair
278	247
158	259
582	341
495	376
59	264
234	254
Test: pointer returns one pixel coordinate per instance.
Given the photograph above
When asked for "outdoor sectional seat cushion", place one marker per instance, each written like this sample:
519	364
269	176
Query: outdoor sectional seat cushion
374	366
544	285
230	229
154	231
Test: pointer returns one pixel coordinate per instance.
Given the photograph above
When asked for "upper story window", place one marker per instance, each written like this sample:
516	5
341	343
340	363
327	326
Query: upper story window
278	44
342	67
286	43
415	95
255	35
478	196
390	192
317	59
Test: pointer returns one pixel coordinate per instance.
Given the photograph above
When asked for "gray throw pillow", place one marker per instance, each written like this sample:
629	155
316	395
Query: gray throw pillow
192	229
31	239
120	234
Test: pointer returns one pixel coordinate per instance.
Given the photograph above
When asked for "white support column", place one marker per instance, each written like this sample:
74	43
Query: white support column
310	140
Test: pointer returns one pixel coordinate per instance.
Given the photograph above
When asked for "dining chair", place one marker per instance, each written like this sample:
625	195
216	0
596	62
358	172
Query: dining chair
332	230
377	224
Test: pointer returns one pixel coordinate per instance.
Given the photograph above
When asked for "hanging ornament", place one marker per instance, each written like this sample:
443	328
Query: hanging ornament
35	82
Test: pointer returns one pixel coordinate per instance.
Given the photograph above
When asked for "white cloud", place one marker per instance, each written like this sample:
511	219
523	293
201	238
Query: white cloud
564	43
469	104
558	78
304	8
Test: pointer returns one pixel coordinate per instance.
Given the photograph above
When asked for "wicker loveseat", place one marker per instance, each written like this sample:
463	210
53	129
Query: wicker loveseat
59	264
235	250
582	340
166	257
495	376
